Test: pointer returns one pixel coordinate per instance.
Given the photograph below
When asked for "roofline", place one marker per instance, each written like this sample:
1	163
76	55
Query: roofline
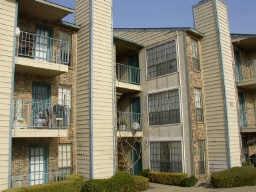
244	34
56	5
128	41
70	25
187	29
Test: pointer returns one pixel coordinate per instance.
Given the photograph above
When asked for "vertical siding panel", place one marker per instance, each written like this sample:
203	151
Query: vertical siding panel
82	88
7	26
219	117
103	89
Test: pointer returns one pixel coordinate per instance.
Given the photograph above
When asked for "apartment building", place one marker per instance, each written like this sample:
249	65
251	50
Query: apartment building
38	61
88	99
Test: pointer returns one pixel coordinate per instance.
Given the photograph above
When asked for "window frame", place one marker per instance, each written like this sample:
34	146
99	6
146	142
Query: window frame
198	57
157	46
202	167
169	142
65	158
198	117
178	104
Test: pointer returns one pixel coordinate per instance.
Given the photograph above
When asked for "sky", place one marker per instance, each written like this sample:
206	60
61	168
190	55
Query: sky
175	13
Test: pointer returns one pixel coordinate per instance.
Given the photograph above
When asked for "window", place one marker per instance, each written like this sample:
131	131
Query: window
161	60
164	108
64	96
166	156
195	55
198	104
202	157
64	159
65	43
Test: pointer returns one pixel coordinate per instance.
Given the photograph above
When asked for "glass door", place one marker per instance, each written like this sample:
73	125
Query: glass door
38	165
41	104
44	43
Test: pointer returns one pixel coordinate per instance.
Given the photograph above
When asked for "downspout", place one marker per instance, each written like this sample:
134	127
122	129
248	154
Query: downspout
91	15
224	87
11	112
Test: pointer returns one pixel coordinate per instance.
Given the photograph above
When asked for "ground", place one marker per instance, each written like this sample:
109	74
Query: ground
166	188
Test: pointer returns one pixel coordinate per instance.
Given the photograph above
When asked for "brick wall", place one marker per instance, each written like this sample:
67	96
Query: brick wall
198	127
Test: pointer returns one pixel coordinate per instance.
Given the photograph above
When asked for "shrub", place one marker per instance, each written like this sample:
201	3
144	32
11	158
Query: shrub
235	177
97	185
121	182
145	173
189	182
140	183
167	178
73	183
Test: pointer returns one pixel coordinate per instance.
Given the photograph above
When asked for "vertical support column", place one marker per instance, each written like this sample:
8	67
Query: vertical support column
95	86
8	19
221	118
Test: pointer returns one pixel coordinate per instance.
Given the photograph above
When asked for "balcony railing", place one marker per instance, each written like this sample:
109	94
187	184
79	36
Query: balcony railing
40	115
128	73
38	178
43	48
246	71
127	121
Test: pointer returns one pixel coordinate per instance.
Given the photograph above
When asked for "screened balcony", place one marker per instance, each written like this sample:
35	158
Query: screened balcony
129	121
44	48
246	72
128	73
40	119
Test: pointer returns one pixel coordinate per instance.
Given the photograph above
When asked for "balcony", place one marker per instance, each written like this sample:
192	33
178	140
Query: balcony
42	54
40	119
39	178
246	74
129	124
128	77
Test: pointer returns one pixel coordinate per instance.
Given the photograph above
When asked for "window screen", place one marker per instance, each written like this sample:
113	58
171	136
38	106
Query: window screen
161	60
198	104
64	96
64	159
202	156
195	55
164	108
166	156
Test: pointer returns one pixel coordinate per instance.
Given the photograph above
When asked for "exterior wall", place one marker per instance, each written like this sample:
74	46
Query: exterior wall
7	48
20	162
219	85
95	121
198	128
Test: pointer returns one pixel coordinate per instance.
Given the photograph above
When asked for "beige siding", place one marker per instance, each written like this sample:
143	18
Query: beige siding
214	61
230	87
103	83
99	56
7	26
146	37
82	88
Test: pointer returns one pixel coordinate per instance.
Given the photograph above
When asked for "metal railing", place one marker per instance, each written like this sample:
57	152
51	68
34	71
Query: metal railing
246	71
43	48
37	178
41	115
127	121
127	73
248	119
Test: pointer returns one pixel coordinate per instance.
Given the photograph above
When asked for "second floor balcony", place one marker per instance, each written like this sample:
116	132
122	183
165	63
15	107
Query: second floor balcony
246	73
129	123
40	119
40	51
128	76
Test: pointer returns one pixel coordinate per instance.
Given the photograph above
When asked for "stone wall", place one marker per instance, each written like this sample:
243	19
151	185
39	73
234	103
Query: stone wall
198	127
